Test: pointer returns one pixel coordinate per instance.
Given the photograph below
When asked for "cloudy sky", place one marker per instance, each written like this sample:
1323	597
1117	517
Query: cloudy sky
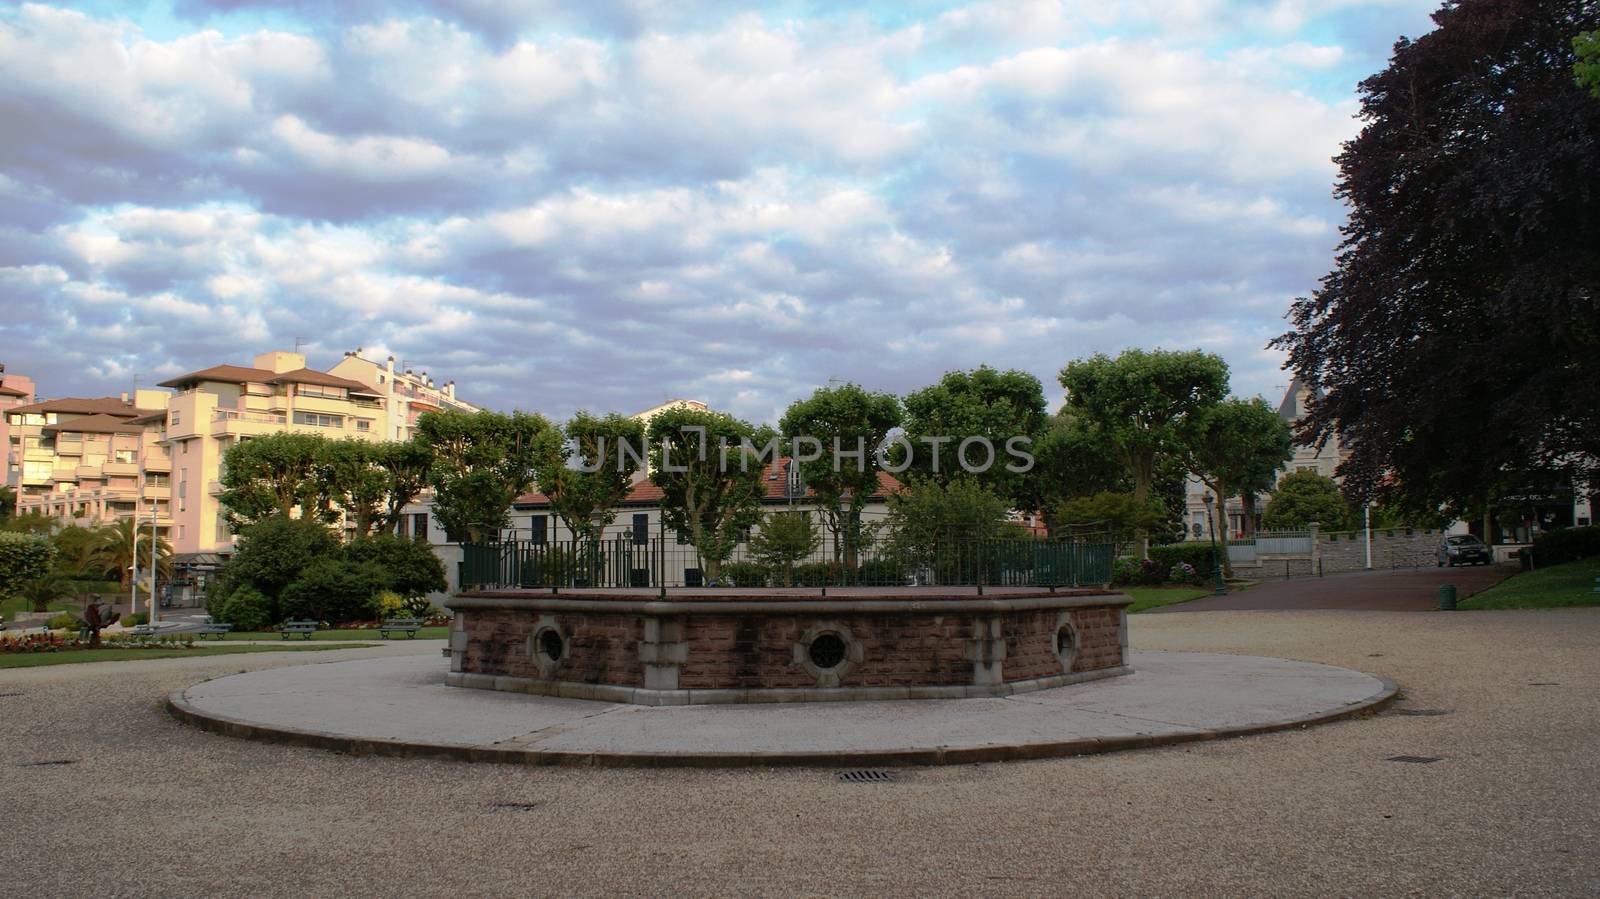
604	204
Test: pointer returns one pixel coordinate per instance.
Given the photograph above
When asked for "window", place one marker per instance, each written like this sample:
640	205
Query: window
176	420
1310	468
319	420
538	529
419	526
641	529
683	540
363	424
332	393
157	479
69	437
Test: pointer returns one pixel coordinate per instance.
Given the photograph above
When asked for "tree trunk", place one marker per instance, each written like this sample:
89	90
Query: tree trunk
1143	469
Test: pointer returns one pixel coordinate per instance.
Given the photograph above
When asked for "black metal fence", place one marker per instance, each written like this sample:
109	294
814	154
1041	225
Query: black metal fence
628	559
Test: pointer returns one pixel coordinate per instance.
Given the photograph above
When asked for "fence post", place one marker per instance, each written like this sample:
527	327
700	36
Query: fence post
1316	549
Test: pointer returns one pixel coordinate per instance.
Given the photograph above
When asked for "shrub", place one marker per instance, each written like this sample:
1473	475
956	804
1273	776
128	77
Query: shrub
23	557
420	607
1566	545
247	609
1139	572
390	604
335	591
744	574
881	573
1195	555
814	574
413	567
1183	573
63	621
275	551
136	619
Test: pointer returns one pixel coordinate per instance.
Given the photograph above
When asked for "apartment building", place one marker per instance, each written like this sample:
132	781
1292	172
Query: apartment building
15	390
405	394
82	460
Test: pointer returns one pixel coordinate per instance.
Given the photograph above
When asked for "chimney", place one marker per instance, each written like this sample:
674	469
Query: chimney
124	398
450	389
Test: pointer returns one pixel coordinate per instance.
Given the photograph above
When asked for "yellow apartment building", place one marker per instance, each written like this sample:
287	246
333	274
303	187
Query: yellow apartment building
82	460
15	390
406	394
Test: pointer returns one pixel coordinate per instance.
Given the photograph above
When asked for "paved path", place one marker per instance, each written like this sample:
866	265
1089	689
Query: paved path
401	705
151	807
1405	590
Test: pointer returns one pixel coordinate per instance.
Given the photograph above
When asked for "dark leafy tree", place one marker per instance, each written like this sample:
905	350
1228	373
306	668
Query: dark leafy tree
1458	336
785	538
995	405
413	568
856	422
1072	460
274	551
1235	448
1587	69
23	558
275	474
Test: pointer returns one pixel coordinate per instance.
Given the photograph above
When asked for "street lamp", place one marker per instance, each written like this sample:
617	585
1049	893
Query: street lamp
1216	560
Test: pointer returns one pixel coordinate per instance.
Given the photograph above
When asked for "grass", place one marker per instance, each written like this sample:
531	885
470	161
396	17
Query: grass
1559	586
428	633
75	656
1145	598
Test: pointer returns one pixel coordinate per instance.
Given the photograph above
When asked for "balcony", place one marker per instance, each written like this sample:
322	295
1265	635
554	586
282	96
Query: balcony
153	491
128	469
214	487
228	421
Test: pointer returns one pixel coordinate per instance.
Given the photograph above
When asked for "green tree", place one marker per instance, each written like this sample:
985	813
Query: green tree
75	552
1457	337
28	523
349	483
1235	448
995	405
1140	399
482	462
1072	460
712	481
8	504
413	568
784	539
1119	516
1303	497
932	523
407	466
586	474
849	425
113	552
1587	69
23	558
275	474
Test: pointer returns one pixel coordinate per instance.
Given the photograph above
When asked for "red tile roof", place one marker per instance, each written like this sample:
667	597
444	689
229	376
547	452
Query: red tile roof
227	374
96	424
11	391
75	405
321	379
647	493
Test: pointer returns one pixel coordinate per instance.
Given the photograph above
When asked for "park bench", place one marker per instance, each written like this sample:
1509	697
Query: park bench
407	626
139	630
303	628
214	629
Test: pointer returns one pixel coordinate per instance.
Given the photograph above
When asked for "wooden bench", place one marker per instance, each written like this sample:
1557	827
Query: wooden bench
303	628
141	630
407	626
214	629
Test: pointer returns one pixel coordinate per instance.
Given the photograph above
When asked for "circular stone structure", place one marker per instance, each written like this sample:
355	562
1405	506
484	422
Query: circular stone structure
401	706
728	645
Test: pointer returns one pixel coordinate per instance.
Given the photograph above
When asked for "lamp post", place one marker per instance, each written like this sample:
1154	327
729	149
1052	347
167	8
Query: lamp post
155	607
1216	560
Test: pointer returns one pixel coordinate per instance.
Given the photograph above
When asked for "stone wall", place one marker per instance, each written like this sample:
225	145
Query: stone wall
1399	548
583	651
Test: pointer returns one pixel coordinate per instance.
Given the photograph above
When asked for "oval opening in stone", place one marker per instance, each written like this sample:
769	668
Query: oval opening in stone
551	644
827	651
1065	644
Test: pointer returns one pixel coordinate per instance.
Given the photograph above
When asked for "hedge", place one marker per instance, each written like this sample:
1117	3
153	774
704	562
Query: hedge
1565	545
23	558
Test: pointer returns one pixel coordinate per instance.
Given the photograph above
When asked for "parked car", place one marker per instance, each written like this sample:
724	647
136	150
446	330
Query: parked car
1464	549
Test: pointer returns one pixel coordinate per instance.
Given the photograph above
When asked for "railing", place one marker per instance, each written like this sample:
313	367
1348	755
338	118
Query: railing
265	418
621	560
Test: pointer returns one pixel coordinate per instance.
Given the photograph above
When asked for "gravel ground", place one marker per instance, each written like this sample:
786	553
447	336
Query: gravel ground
153	808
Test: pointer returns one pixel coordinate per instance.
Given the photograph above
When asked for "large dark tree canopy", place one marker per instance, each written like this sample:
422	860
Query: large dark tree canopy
1458	337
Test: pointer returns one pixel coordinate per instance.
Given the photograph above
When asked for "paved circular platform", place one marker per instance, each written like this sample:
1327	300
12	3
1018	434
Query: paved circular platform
400	706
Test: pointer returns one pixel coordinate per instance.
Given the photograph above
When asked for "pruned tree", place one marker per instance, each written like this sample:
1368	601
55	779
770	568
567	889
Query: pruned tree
983	403
711	482
1304	497
849	425
275	474
1235	448
23	558
483	461
1458	336
590	470
1140	399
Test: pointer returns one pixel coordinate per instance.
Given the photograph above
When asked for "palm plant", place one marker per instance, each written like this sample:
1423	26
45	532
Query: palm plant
113	551
76	550
41	592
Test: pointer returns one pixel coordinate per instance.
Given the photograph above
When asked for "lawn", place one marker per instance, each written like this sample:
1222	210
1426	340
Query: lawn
1555	587
428	633
1145	598
74	656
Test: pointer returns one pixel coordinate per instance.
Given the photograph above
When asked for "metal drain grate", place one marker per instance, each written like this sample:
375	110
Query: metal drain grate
1416	759
48	762
10	694
1544	683
1421	713
867	777
515	806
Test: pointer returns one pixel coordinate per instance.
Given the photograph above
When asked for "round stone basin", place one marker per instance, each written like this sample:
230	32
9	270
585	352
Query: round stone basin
724	645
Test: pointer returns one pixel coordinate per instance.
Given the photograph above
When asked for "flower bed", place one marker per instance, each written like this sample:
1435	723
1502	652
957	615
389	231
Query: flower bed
66	641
